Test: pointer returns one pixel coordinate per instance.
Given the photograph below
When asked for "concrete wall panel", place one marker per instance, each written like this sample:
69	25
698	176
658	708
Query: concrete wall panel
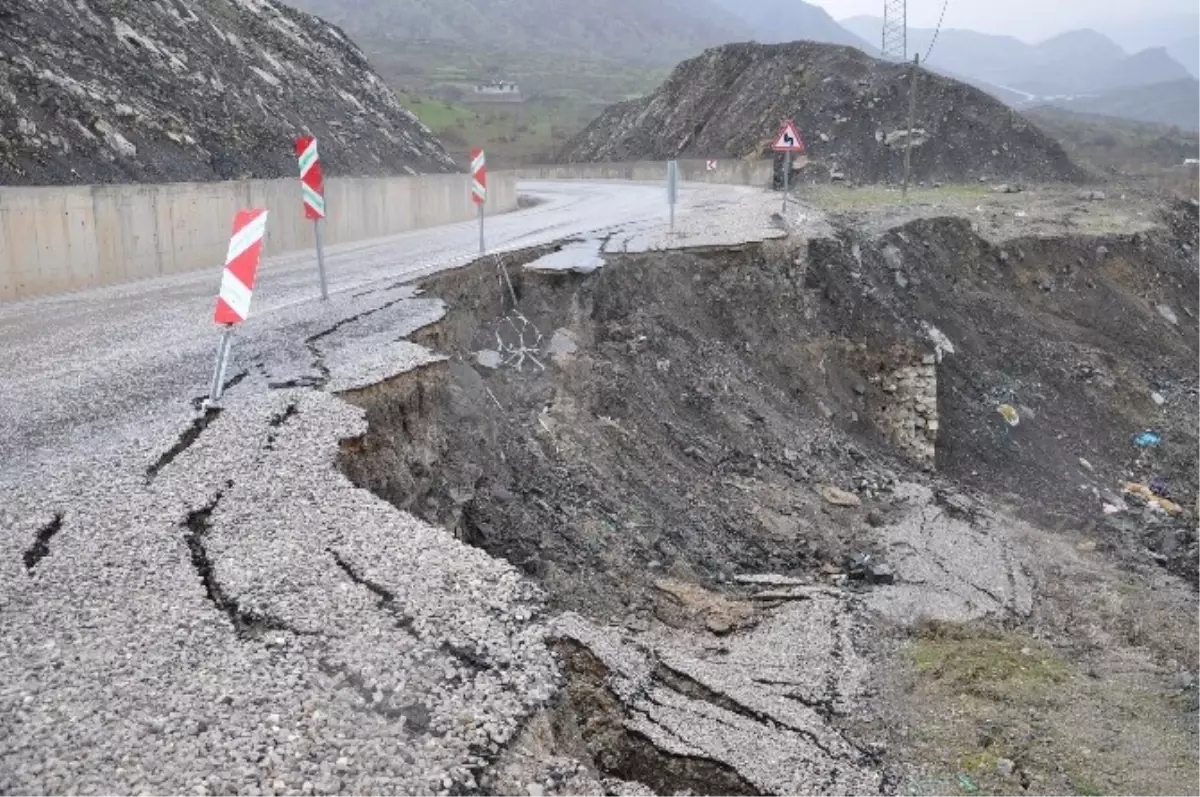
54	239
64	239
728	172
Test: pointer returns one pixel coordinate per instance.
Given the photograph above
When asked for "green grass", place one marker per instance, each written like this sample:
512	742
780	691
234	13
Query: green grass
511	134
561	95
995	666
438	115
842	198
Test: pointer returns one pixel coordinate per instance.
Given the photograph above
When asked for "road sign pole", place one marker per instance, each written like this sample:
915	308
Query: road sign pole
479	188
321	260
218	380
787	179
788	141
482	250
912	114
312	189
672	188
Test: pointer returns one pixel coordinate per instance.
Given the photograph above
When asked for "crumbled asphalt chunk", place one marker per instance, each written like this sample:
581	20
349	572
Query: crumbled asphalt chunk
198	526
387	599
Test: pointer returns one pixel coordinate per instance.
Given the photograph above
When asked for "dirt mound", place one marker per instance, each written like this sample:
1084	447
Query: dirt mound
852	111
110	91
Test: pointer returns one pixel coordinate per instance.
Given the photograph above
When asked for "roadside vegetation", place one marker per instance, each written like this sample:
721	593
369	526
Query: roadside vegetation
560	96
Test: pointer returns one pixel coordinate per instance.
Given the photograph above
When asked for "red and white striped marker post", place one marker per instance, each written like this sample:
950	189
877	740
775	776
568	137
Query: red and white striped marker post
237	286
479	187
312	187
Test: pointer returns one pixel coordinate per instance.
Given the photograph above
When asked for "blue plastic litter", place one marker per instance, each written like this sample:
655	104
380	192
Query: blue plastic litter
1146	439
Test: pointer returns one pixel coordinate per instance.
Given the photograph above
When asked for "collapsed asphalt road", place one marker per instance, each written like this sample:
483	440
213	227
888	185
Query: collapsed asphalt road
663	524
199	602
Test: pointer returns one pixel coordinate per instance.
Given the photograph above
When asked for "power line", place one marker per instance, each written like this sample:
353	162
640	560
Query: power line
938	29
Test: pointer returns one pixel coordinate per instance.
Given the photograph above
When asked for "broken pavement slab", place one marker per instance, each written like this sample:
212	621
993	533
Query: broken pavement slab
292	631
781	687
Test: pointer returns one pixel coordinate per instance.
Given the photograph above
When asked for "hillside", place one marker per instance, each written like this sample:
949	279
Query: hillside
111	91
851	109
625	31
1110	143
1175	103
1073	62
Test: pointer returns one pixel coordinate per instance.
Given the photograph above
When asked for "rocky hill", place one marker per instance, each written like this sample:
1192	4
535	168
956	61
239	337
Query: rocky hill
852	111
113	91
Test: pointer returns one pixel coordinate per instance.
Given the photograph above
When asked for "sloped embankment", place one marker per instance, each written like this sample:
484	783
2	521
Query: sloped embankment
700	449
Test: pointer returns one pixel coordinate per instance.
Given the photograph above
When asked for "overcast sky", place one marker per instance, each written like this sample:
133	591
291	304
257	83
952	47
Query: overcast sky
1027	19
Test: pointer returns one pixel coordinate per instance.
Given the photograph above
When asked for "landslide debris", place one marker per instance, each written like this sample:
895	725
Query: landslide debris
716	463
668	436
108	91
852	111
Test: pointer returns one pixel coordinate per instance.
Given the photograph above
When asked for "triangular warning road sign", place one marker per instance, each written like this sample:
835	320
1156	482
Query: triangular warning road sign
788	139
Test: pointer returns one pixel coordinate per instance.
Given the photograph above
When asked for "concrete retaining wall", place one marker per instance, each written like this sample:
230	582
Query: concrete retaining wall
58	239
729	172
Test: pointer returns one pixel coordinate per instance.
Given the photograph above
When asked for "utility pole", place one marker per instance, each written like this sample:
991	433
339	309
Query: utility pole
912	116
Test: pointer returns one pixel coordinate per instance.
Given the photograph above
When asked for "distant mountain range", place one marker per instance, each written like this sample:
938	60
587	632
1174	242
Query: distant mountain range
1177	32
652	32
1082	71
1075	62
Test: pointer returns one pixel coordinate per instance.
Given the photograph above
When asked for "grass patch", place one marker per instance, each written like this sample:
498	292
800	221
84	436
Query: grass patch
436	114
562	94
840	198
994	666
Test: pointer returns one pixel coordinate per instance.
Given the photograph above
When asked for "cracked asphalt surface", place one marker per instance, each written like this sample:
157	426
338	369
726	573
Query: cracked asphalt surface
199	602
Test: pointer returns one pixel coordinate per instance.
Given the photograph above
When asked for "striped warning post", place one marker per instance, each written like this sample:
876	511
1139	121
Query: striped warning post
311	182
241	264
478	176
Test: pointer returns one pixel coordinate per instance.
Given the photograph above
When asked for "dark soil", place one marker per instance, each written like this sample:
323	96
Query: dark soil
679	440
710	393
1067	330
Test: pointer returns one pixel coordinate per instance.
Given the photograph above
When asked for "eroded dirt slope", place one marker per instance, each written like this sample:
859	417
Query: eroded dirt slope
794	540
